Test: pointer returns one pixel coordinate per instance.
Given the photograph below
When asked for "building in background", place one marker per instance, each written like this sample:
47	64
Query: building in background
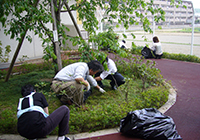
174	15
181	15
34	49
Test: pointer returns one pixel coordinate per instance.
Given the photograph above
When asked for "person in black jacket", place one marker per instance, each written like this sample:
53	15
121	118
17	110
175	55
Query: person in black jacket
33	116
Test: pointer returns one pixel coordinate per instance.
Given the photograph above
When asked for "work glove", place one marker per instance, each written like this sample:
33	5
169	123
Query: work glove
102	90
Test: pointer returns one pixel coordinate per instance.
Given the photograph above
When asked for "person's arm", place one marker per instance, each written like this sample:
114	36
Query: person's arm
44	102
46	110
93	82
152	48
100	89
82	81
98	78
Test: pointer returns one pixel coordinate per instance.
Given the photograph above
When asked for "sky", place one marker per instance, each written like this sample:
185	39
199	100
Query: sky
196	3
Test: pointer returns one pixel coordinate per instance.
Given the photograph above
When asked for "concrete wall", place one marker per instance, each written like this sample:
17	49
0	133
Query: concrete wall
34	49
72	32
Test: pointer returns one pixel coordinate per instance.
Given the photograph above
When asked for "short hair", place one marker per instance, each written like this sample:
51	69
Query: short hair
27	89
95	65
155	39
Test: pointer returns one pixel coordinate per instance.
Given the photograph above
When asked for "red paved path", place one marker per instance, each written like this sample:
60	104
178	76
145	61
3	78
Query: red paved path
185	77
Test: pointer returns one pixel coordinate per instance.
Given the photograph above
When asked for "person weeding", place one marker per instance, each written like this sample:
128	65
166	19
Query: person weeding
33	116
71	81
116	78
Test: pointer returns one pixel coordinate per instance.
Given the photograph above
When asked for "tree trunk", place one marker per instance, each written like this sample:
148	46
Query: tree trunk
17	50
73	20
55	35
15	56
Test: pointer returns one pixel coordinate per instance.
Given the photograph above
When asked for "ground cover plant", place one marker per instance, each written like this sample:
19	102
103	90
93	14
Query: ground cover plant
102	110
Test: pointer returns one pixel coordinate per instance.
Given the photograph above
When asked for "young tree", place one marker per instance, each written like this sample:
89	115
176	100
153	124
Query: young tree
34	15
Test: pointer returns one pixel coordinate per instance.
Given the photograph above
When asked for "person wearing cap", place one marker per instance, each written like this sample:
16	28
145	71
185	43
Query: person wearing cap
71	81
111	74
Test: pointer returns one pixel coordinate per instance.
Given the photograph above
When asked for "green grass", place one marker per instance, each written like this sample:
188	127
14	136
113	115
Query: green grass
189	30
102	110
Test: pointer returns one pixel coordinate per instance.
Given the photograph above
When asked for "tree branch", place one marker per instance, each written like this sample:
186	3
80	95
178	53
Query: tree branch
46	29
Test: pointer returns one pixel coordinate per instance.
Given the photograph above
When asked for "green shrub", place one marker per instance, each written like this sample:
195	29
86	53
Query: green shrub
154	98
144	70
136	50
189	30
68	61
181	57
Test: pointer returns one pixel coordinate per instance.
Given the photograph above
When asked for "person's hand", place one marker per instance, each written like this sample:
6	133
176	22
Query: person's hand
102	90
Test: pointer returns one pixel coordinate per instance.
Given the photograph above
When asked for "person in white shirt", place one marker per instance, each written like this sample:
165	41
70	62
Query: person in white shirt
71	81
116	78
157	48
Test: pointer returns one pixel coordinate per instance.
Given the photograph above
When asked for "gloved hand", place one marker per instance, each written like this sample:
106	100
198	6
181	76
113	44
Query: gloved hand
102	90
88	87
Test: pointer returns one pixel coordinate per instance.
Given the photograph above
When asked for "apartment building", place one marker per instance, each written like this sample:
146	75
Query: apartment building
174	15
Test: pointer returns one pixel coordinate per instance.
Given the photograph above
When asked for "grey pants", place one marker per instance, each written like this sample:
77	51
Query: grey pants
70	90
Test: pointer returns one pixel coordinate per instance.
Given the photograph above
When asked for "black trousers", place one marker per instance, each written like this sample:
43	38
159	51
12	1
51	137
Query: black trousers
60	118
116	79
157	56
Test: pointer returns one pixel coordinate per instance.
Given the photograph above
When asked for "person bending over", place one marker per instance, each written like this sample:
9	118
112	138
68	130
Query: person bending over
116	78
71	81
33	116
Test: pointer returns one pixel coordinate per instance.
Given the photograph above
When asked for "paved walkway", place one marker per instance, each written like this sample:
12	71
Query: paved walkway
185	77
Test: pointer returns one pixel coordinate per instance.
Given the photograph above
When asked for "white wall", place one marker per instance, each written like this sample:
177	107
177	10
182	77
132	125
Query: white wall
34	49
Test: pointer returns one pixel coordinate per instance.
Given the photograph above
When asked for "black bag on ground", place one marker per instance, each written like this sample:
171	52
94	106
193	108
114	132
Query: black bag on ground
149	124
146	52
